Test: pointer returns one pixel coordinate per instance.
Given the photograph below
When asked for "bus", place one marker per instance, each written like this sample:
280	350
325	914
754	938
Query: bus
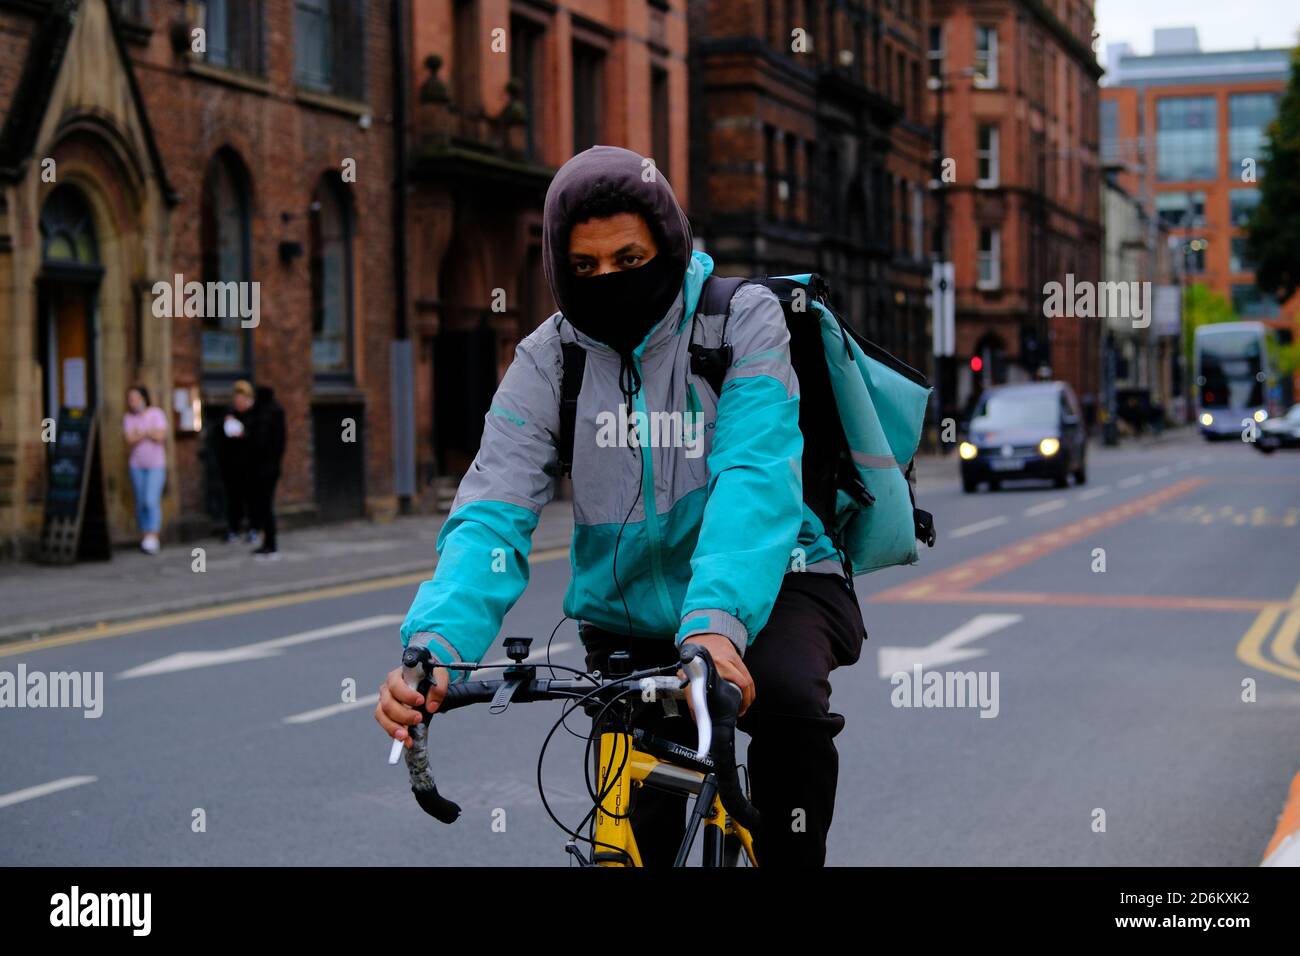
1234	380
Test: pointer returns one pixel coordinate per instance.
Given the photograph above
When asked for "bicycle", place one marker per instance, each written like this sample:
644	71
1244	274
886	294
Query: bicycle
629	758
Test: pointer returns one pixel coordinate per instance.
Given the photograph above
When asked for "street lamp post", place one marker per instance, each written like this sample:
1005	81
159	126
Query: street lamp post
942	277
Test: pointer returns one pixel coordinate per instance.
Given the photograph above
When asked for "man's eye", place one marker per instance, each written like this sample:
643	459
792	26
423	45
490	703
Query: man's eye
581	268
631	261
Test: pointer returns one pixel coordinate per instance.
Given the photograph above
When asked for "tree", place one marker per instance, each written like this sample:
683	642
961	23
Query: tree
1202	306
1273	232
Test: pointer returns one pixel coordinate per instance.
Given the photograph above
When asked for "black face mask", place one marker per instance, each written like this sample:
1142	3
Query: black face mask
620	308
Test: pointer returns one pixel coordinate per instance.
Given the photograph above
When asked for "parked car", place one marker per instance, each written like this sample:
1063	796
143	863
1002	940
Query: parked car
1034	430
1280	432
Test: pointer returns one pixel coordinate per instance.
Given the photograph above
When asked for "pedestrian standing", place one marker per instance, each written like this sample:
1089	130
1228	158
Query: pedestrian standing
266	438
145	428
231	444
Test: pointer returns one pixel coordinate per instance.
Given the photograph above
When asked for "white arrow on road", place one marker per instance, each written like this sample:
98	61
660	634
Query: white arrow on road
946	650
188	660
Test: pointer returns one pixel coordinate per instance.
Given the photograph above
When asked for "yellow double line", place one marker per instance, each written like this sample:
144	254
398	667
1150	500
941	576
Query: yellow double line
1285	660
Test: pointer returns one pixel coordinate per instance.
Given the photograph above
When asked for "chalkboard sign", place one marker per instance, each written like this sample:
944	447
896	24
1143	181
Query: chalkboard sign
75	518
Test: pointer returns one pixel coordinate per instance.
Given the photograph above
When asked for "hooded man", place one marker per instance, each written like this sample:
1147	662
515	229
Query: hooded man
684	531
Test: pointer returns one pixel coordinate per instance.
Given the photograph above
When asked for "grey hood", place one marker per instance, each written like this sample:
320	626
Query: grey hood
576	180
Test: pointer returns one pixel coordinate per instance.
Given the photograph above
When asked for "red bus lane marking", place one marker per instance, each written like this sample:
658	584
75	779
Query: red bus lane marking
954	581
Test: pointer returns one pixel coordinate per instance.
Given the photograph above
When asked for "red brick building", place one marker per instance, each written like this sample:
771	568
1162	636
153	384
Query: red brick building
243	142
810	152
503	92
1020	123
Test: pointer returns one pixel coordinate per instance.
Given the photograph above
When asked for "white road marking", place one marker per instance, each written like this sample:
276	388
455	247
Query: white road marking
44	789
947	649
1045	507
1132	480
188	660
320	713
1095	493
978	526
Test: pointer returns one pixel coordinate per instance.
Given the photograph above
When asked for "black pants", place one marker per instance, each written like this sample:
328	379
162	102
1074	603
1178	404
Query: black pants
815	626
234	483
261	507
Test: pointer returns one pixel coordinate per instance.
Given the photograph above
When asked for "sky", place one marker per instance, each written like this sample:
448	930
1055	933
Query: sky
1222	24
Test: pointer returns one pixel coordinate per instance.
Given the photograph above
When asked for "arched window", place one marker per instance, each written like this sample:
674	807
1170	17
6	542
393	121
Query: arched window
67	229
331	279
226	250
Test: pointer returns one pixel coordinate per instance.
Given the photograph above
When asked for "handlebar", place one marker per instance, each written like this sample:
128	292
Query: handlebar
715	704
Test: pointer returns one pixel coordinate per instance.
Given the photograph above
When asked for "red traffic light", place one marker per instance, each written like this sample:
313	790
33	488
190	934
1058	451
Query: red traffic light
976	363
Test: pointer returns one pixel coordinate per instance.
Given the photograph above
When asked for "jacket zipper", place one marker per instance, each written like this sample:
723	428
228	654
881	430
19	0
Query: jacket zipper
653	532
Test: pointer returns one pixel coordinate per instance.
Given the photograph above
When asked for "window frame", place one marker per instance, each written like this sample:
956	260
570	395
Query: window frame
331	185
240	179
992	155
993	257
988	79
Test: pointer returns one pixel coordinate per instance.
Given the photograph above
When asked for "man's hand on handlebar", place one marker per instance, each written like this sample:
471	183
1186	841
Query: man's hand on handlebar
729	665
397	705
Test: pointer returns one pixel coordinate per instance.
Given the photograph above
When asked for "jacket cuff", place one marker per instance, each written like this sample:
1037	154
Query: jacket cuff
441	651
714	621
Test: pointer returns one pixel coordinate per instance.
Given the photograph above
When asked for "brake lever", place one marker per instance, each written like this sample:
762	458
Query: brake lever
415	671
697	673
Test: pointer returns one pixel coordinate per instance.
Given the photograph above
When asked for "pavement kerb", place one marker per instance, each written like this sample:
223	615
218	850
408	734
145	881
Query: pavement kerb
14	634
1284	848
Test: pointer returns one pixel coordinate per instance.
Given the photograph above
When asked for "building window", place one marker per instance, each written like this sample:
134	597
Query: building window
588	96
990	258
332	230
660	144
1251	303
1181	210
935	55
225	243
329	46
1187	138
1239	256
1242	203
986	57
986	157
1110	145
525	67
1248	117
233	34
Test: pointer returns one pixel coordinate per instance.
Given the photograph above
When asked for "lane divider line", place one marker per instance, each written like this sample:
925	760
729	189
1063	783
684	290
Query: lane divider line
975	571
44	789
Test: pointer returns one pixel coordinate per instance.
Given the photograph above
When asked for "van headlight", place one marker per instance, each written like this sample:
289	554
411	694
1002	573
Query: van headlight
967	451
1261	415
1207	419
1049	447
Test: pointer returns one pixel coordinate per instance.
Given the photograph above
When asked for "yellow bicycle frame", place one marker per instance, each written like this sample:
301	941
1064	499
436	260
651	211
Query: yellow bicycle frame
623	769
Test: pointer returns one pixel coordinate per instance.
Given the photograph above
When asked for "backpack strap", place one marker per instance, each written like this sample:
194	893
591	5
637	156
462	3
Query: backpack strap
575	364
711	364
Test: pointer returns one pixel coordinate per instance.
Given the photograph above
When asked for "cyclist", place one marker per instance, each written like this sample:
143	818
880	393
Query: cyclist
670	545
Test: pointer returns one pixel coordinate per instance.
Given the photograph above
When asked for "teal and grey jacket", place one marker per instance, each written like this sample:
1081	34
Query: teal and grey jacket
711	511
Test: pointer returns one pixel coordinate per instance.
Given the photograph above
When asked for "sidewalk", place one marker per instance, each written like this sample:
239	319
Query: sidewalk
38	599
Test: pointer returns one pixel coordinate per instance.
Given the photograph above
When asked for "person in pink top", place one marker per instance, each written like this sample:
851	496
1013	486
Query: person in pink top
145	427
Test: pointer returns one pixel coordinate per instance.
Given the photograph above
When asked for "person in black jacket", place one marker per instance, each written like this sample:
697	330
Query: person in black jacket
229	440
266	440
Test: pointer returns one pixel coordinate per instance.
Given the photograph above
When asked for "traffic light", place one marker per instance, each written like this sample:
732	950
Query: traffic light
976	363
